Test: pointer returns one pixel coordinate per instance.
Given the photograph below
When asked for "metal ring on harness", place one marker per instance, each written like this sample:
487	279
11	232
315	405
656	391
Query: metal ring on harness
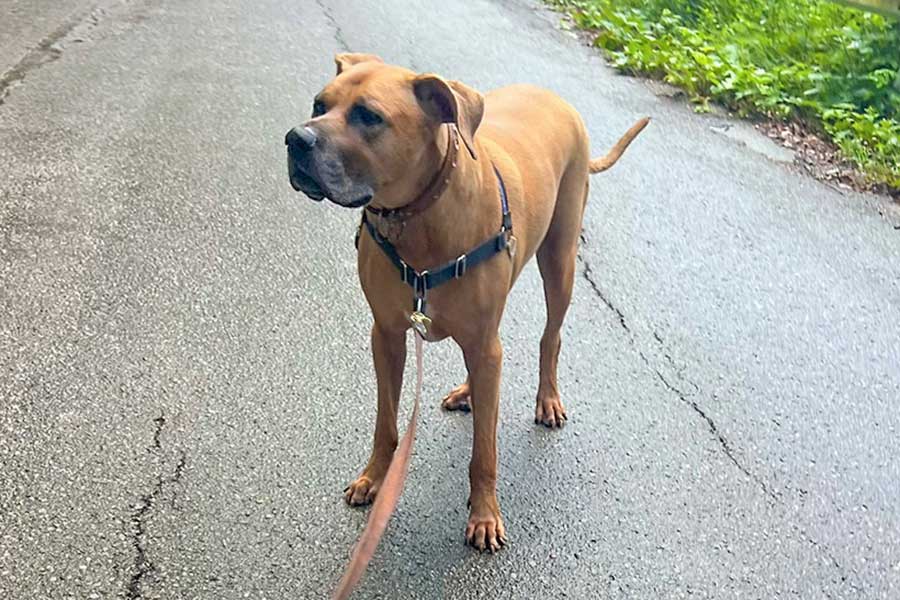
460	268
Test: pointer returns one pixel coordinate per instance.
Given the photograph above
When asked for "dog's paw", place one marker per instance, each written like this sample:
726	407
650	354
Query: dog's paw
550	411
460	398
485	530
362	491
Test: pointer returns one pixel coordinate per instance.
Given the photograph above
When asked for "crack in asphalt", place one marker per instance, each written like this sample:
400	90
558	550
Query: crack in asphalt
338	32
713	428
143	565
725	446
588	274
45	52
678	370
834	562
160	423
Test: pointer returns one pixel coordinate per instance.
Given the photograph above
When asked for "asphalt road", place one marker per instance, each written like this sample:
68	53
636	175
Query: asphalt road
185	378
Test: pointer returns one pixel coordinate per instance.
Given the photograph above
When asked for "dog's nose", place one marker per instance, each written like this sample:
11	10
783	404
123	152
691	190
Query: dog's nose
301	138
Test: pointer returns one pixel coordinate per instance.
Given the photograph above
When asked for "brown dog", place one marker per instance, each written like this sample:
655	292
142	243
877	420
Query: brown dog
386	138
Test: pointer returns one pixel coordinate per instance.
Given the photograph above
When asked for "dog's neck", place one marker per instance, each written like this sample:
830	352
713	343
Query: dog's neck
426	240
439	161
431	192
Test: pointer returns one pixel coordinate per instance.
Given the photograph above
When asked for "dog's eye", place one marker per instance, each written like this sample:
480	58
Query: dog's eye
319	108
365	116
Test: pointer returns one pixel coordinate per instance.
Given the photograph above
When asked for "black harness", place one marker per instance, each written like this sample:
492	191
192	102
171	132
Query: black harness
425	280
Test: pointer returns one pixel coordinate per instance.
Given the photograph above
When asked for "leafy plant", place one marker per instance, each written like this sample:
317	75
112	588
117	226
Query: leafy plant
829	65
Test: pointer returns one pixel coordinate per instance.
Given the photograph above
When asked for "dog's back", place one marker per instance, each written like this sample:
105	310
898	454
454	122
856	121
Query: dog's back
529	121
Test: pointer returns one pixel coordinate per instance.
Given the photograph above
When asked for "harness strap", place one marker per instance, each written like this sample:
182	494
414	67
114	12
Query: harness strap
425	280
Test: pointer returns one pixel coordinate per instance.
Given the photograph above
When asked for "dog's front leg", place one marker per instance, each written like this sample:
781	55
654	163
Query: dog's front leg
389	353
485	529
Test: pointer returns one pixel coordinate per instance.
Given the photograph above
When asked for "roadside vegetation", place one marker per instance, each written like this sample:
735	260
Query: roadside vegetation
830	67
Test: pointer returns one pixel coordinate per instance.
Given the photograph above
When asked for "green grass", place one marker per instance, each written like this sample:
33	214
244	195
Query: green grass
828	65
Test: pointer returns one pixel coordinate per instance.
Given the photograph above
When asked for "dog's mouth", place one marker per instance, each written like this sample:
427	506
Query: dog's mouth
362	201
309	186
302	182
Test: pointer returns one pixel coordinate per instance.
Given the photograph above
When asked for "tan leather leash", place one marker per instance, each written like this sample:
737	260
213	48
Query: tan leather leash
388	495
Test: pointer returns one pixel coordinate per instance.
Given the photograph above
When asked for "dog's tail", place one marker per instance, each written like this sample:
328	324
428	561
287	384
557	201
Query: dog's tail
603	163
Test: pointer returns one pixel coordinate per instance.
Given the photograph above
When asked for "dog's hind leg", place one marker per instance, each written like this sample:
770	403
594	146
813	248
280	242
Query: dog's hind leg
556	261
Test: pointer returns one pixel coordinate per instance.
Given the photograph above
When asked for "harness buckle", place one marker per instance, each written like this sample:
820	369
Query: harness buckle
459	269
511	246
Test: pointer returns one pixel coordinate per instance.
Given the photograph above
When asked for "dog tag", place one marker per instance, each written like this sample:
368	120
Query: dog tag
420	322
511	246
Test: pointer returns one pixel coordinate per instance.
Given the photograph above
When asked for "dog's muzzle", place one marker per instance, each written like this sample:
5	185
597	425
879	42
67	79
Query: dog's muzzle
317	169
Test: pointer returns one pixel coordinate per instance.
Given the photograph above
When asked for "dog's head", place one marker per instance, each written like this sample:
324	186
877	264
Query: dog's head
374	131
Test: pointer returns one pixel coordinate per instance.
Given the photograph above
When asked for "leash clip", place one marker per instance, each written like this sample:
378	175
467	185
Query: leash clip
420	321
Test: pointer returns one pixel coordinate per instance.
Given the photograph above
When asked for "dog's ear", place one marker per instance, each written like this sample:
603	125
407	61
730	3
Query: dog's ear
348	59
451	102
